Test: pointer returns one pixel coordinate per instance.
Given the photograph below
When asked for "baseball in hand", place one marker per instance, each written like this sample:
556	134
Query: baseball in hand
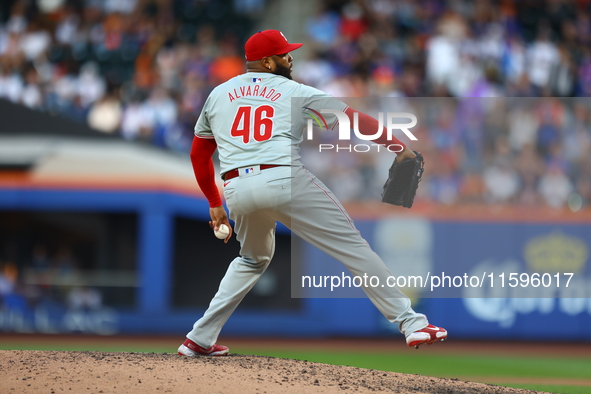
222	232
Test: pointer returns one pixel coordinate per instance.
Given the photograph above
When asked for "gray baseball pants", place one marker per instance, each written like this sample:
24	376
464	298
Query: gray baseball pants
296	198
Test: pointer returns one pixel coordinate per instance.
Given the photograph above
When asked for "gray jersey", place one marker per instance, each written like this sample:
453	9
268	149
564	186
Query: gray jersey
250	117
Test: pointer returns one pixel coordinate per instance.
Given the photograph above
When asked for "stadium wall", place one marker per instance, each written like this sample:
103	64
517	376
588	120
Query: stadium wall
424	245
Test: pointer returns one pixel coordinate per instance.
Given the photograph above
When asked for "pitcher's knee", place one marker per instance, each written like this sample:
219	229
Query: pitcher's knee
253	265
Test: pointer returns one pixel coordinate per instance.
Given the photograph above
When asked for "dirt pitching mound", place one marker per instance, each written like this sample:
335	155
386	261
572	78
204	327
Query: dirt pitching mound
100	372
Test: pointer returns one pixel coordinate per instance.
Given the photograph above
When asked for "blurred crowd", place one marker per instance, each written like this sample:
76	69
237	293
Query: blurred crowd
460	48
528	152
51	279
518	151
143	68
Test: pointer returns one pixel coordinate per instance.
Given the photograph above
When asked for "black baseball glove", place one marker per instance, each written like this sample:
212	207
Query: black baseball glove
403	181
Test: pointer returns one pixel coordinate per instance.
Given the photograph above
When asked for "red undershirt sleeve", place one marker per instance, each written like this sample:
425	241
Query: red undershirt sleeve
368	125
201	153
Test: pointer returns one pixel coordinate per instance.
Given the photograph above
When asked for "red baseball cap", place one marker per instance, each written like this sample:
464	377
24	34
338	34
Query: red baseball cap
267	43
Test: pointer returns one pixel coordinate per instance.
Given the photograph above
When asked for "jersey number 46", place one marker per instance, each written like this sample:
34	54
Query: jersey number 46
257	124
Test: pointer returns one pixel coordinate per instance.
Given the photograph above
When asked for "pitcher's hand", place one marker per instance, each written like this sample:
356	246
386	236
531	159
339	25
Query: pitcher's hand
218	217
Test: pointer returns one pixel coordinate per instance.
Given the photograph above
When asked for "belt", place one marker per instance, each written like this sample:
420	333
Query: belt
234	173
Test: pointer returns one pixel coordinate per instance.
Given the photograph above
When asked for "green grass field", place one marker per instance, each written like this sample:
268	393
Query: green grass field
551	374
473	368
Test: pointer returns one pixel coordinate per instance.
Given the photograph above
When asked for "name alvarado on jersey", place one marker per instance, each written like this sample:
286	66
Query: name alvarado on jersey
256	90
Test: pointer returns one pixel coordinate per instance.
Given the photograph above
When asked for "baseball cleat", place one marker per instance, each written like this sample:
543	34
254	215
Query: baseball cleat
428	335
191	349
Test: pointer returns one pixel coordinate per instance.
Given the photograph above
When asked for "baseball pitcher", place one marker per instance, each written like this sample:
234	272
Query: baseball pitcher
249	120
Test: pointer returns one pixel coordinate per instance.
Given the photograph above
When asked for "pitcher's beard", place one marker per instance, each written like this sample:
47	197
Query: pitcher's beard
283	71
